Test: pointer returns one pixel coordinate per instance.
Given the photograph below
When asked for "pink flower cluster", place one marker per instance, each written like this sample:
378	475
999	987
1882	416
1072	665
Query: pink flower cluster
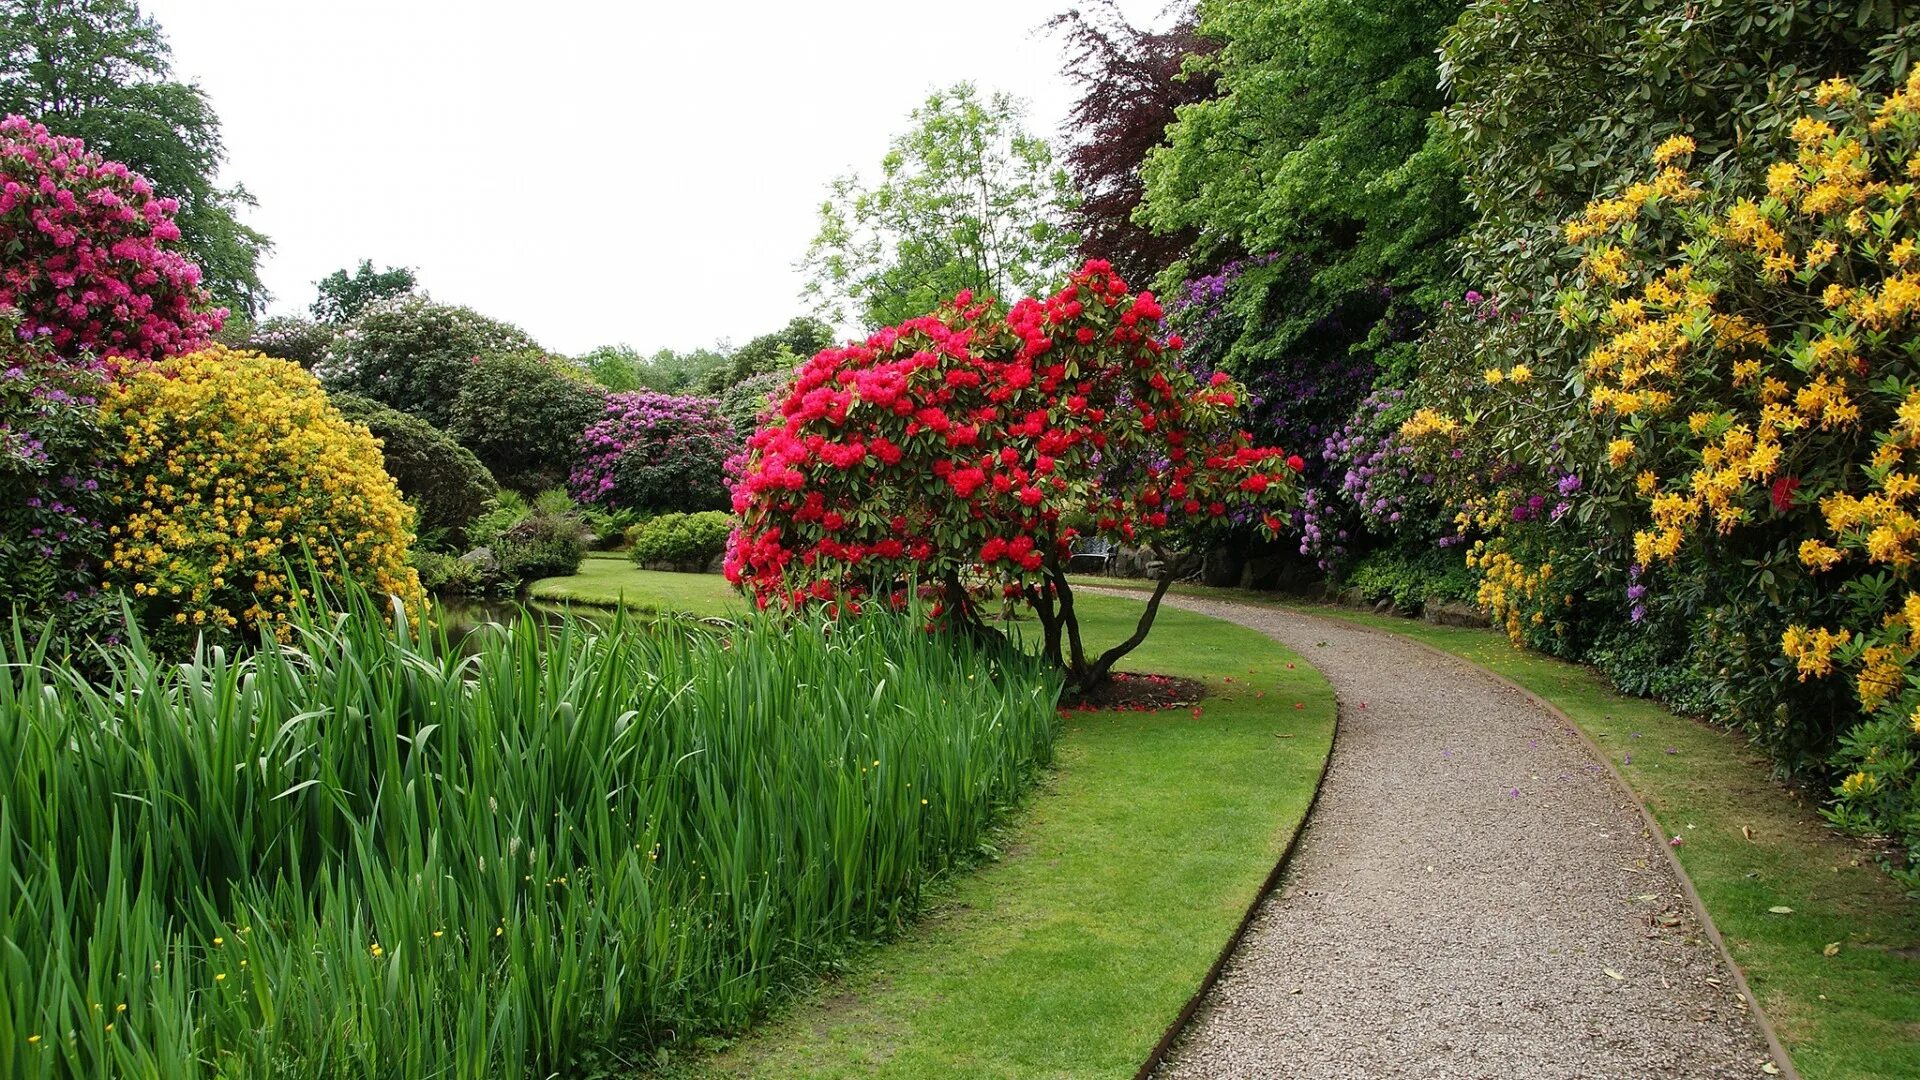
981	440
91	258
649	449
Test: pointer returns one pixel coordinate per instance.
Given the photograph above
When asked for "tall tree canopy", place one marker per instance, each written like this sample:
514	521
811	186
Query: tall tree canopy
1318	144
967	199
1131	81
102	71
344	296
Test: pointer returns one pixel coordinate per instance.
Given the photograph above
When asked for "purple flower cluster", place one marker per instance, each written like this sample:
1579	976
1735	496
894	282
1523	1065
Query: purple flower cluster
54	507
1371	480
652	451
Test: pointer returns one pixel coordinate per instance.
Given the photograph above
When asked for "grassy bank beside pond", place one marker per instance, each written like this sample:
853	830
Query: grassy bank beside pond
1838	970
612	581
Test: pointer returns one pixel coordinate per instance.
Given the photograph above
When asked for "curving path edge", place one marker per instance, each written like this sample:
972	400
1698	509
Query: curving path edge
1474	895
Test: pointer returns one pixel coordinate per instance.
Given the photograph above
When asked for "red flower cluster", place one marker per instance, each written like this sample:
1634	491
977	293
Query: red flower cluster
982	440
91	261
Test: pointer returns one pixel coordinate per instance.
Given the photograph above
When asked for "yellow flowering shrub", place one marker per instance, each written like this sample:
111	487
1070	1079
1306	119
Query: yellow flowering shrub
1755	362
234	466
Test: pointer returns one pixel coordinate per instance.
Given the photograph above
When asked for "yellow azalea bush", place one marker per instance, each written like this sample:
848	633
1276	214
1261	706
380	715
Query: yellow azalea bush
234	466
1755	362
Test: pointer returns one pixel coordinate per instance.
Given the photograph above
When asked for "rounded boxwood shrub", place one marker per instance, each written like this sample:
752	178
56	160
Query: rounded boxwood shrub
651	451
92	253
680	541
233	463
414	355
444	481
522	414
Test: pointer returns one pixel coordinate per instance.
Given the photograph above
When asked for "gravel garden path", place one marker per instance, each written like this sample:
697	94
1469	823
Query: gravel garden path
1474	896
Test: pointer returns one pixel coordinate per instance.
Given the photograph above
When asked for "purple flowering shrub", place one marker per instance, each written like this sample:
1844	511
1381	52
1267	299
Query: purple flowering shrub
1373	483
54	504
656	452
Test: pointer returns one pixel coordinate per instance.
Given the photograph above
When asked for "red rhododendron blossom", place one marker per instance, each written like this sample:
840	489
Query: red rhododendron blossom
91	253
973	446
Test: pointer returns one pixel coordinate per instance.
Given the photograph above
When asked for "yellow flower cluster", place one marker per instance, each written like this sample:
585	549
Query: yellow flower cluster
234	465
1428	422
1779	324
1513	592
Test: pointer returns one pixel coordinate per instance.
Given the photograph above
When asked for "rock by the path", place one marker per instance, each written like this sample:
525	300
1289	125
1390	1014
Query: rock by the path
1474	896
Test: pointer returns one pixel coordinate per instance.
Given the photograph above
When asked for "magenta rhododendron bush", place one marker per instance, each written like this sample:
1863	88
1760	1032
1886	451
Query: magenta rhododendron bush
977	443
92	257
653	451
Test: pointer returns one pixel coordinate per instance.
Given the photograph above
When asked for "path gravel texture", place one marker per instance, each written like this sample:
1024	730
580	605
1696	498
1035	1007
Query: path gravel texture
1474	896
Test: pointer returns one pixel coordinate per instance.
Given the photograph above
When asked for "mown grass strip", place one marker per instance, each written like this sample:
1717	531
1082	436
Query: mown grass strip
612	581
1070	956
1750	845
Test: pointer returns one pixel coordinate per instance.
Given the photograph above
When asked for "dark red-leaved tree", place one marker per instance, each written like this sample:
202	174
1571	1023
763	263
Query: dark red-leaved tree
1130	80
966	450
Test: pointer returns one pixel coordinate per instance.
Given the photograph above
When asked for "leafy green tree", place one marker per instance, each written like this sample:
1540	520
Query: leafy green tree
344	296
617	367
776	353
1132	82
522	414
101	71
672	372
967	199
1319	147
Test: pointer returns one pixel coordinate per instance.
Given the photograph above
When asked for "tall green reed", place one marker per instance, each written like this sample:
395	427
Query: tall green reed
543	852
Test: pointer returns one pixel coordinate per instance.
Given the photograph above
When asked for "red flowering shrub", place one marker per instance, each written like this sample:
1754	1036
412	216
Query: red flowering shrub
972	446
92	257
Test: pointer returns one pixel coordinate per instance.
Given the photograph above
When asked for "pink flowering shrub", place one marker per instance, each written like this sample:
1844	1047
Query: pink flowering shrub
91	253
966	450
656	452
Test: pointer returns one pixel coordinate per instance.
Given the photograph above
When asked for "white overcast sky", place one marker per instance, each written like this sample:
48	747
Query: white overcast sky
595	171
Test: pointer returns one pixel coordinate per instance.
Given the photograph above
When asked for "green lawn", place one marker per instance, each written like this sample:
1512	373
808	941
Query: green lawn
1121	882
610	580
1750	846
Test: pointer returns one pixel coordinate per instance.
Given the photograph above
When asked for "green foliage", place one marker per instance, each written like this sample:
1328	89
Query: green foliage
534	852
745	402
344	296
1412	578
1317	146
522	413
101	71
777	353
967	199
680	541
415	355
526	541
1554	101
617	367
444	574
444	481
